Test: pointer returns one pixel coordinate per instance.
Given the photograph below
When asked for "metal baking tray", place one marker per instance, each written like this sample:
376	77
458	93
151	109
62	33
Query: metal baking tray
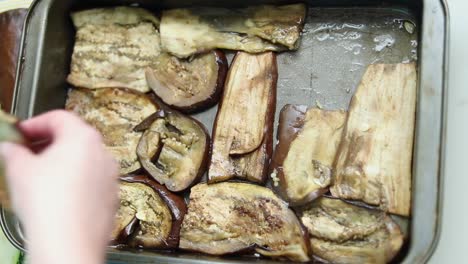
340	39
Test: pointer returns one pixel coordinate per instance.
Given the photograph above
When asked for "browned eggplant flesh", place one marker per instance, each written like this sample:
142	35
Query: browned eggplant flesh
149	216
344	233
174	149
243	130
230	217
375	157
113	48
189	85
115	113
255	29
307	144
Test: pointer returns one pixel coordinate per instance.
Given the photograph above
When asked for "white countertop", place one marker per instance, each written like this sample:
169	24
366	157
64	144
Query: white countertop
452	247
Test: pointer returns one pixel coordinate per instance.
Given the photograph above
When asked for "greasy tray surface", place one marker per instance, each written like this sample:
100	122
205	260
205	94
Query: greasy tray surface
337	45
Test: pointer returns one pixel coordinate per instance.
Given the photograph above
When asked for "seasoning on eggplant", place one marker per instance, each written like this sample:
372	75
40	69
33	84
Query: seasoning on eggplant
185	32
149	215
345	233
189	85
113	48
229	217
115	113
243	130
307	145
374	160
174	150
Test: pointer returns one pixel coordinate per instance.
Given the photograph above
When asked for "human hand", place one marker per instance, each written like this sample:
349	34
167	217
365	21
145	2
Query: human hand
65	194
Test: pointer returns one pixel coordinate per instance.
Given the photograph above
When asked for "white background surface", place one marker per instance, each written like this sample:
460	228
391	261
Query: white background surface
453	244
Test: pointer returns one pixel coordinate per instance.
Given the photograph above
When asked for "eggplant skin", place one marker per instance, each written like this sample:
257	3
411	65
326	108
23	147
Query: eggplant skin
231	217
176	206
341	232
174	149
114	113
194	103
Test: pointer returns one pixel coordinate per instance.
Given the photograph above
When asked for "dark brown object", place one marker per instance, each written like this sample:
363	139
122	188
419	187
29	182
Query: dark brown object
173	149
231	217
189	85
243	130
11	28
143	229
308	140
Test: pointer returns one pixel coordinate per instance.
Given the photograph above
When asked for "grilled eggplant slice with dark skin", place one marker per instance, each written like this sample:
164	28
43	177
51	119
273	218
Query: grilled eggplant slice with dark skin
344	233
115	113
149	215
189	85
375	157
174	149
307	144
185	32
113	48
243	130
229	217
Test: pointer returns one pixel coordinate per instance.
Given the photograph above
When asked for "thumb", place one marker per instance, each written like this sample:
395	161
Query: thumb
14	157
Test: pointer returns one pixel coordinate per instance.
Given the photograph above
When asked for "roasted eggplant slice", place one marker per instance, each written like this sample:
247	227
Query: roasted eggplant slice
345	233
307	146
174	150
115	113
113	48
189	86
229	217
243	130
185	32
374	160
149	215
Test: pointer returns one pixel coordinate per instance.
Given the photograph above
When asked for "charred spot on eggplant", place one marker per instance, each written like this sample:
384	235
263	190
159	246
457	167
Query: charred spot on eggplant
344	233
149	215
114	113
185	32
229	217
308	141
113	48
174	150
243	130
189	85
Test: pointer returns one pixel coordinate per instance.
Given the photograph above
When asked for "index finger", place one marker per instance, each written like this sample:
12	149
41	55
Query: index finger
52	126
